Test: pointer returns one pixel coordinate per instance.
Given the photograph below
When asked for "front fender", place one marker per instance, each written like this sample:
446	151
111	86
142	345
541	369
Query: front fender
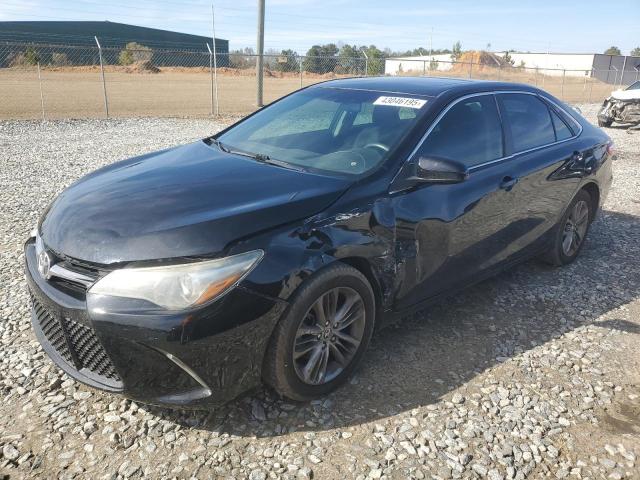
295	252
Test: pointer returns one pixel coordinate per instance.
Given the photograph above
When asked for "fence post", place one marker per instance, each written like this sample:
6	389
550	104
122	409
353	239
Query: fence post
424	68
536	77
260	57
104	84
211	76
591	86
366	63
215	60
41	95
499	72
624	66
470	67
562	86
300	63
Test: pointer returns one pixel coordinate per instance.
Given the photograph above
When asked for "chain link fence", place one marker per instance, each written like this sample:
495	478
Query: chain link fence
63	81
573	86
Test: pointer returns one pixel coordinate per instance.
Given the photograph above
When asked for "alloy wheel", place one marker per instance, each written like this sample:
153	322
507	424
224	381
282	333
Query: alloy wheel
575	228
329	336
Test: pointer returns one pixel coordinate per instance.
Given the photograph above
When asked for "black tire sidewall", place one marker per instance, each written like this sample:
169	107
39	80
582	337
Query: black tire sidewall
339	275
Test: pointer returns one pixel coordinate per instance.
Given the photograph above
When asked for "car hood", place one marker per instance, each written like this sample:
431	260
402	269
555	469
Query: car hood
187	201
626	94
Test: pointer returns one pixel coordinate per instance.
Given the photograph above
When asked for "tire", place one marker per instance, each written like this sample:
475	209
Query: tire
298	331
558	254
604	123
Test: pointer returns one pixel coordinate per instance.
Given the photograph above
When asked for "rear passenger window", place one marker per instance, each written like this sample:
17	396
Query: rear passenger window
528	119
470	132
562	131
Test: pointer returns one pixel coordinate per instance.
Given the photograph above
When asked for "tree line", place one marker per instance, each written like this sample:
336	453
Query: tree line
345	58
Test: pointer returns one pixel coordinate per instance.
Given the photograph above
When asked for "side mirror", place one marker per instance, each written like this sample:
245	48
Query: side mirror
440	170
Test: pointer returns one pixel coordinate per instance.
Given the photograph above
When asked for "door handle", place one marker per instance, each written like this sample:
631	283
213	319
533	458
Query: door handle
508	182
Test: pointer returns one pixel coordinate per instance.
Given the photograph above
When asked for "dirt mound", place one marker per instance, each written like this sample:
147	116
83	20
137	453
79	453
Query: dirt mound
143	67
481	60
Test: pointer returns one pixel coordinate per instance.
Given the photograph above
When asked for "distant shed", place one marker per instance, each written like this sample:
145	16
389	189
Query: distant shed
69	38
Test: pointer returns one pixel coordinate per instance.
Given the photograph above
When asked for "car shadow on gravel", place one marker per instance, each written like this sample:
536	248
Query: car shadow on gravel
420	359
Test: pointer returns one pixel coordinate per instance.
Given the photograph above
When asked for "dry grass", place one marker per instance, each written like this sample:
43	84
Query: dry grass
77	93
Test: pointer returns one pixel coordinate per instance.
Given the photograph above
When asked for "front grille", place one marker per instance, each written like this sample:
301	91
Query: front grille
76	343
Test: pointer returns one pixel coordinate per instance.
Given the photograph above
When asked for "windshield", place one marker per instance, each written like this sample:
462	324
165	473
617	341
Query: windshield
335	130
634	86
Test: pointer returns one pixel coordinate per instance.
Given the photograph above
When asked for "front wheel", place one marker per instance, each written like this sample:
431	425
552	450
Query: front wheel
570	233
605	123
323	335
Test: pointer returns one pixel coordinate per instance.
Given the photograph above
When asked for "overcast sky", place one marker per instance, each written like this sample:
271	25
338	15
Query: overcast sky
538	26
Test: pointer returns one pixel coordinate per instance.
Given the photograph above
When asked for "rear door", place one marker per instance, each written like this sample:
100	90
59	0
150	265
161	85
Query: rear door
539	142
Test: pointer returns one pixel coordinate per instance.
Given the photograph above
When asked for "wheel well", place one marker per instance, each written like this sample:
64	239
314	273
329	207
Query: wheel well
594	192
364	267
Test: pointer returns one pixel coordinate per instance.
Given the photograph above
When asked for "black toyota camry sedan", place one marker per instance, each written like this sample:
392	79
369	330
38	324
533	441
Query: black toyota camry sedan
271	251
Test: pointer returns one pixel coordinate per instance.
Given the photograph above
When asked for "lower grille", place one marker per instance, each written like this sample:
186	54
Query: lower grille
76	343
52	329
88	350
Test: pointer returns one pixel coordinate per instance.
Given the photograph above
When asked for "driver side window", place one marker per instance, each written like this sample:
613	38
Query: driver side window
470	133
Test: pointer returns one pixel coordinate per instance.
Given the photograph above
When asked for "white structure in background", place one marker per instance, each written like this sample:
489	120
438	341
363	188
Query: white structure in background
417	65
575	64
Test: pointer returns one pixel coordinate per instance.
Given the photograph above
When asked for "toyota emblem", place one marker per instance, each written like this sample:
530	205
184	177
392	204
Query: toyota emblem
44	265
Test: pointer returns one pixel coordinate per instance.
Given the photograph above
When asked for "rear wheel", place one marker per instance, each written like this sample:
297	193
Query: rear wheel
323	335
571	231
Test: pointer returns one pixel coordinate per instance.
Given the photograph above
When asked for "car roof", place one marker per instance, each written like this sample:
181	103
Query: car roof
421	86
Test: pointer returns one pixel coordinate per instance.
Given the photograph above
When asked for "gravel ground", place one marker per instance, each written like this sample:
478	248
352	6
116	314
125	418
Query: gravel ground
535	373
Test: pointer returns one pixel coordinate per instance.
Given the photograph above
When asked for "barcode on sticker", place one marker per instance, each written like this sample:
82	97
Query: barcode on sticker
400	102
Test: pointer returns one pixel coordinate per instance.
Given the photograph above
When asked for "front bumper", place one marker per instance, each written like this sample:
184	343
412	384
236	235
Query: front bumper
202	358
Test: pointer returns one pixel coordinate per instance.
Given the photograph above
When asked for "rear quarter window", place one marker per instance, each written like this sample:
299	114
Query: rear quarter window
562	130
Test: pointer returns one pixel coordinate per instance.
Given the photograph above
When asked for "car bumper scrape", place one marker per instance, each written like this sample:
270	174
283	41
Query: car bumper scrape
189	360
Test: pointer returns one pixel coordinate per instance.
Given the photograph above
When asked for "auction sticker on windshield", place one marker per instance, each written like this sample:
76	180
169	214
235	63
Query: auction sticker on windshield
400	102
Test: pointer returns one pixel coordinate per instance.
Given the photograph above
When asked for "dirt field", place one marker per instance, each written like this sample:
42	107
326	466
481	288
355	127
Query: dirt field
172	94
78	93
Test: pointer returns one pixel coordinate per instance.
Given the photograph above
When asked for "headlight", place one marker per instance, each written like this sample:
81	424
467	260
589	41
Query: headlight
178	287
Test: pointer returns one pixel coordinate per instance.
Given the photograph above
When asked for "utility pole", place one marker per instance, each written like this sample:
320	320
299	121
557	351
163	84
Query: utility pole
260	59
215	61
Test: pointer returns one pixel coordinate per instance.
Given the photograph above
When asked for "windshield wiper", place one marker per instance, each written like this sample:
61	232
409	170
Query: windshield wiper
219	144
260	157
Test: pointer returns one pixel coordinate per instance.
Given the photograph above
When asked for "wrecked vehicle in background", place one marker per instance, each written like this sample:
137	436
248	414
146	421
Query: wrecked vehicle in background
623	106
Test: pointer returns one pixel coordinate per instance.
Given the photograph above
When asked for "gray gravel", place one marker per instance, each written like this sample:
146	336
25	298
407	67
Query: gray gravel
533	374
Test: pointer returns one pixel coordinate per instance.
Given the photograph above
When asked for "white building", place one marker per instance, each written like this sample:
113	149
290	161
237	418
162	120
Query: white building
574	64
417	65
